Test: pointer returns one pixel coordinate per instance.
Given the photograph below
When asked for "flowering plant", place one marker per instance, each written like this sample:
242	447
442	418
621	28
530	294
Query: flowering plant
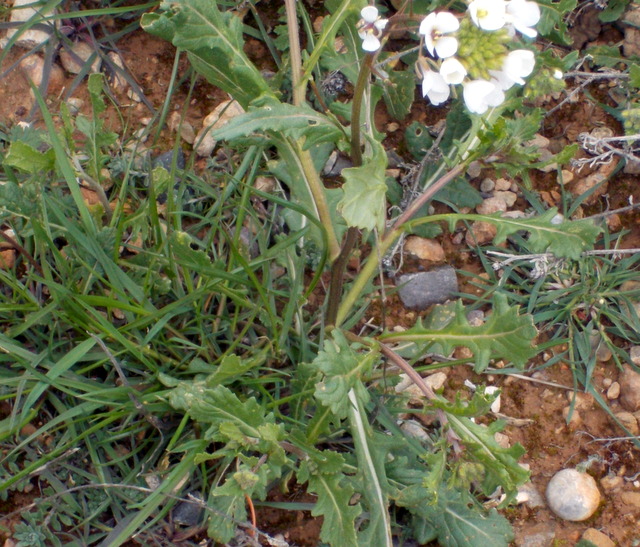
483	50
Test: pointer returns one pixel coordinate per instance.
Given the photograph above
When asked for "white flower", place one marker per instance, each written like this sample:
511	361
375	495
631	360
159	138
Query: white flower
519	64
370	28
523	16
434	87
557	74
434	26
516	66
479	95
452	71
488	14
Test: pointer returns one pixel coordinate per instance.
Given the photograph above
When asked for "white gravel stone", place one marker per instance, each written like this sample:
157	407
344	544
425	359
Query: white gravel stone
634	353
217	118
503	184
491	205
425	249
20	14
573	495
73	61
614	391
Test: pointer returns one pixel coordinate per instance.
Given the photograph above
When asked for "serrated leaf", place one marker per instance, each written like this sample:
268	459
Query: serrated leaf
399	92
552	20
226	512
26	158
454	520
342	367
214	43
566	239
294	121
613	10
364	203
501	467
241	422
334	495
505	335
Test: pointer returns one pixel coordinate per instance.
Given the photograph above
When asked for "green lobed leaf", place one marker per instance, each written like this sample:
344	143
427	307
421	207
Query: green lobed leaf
505	335
214	43
566	239
294	121
500	465
552	20
399	92
325	479
364	203
26	158
454	519
242	423
342	367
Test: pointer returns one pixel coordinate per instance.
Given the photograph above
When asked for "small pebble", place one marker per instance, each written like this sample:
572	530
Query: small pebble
583	401
491	205
631	498
573	495
606	382
634	353
597	538
611	483
629	421
576	419
503	185
629	381
487	185
425	249
614	391
474	169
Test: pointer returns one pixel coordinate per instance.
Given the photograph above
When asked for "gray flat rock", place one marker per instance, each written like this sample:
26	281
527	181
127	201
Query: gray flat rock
420	290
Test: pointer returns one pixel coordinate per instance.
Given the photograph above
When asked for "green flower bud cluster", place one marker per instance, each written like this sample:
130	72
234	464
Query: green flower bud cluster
543	83
631	120
481	51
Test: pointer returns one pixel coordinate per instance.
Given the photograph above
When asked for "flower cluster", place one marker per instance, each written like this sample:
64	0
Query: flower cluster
474	52
471	51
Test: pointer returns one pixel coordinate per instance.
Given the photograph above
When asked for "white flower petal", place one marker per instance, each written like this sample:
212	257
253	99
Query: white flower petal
518	64
479	95
427	24
452	71
488	14
446	46
557	74
433	27
446	22
381	24
369	14
527	13
435	88
370	43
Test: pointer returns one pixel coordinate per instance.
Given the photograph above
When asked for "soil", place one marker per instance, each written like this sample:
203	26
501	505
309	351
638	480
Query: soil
551	444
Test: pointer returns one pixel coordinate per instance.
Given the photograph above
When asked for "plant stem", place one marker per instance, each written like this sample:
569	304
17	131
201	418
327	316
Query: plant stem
369	269
294	49
356	109
351	238
319	197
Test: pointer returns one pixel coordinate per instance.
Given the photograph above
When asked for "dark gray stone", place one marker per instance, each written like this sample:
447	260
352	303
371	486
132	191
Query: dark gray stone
420	290
165	160
188	513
